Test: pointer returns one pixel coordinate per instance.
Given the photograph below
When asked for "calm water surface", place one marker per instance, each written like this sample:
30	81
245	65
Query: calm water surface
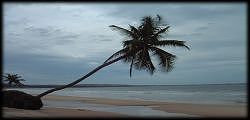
215	94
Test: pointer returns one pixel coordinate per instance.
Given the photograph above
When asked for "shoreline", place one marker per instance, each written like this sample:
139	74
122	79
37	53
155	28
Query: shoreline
204	110
170	109
46	112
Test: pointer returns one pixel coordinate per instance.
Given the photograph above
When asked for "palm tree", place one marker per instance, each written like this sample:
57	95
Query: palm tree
142	41
13	78
19	99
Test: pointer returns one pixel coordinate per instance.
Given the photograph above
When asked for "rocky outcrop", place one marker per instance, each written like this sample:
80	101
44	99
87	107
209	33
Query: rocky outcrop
21	100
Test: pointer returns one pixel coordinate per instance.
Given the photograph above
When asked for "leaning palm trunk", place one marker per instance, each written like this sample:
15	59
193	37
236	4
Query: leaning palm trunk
82	78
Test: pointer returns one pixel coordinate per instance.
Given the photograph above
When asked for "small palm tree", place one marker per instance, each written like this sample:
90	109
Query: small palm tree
142	41
13	78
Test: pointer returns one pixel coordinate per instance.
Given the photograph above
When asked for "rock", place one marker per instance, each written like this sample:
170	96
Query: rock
21	100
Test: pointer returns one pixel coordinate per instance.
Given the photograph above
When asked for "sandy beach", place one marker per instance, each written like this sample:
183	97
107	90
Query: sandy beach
55	113
178	109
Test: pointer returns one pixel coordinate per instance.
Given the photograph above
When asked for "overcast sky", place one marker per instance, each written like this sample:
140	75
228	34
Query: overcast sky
56	43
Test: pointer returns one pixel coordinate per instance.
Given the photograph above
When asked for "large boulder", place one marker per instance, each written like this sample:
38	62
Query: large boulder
21	100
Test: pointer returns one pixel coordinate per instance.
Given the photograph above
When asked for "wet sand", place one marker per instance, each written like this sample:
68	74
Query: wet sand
55	113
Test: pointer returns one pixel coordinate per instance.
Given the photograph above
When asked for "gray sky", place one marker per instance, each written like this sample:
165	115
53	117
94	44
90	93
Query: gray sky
56	43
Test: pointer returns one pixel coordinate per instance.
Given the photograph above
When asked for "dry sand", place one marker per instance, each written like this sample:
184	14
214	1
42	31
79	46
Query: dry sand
201	110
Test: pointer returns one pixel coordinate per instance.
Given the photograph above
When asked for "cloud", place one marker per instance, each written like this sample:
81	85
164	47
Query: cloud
56	42
202	28
47	32
176	12
44	68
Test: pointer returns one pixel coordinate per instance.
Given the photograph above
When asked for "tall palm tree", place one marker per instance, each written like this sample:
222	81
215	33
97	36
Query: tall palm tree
13	78
142	41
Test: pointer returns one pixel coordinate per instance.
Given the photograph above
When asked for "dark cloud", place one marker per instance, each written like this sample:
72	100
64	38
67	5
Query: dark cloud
57	35
14	34
43	31
66	39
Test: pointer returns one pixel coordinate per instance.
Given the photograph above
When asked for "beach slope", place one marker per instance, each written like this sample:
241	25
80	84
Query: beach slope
197	110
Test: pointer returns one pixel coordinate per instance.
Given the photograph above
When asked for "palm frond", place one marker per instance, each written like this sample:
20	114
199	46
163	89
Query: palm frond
159	17
174	43
4	76
166	59
118	53
144	39
150	67
127	42
162	31
121	30
21	79
148	26
18	76
135	32
13	78
143	61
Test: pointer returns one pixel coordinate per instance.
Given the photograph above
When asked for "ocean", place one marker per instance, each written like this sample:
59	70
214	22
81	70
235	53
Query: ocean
204	94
